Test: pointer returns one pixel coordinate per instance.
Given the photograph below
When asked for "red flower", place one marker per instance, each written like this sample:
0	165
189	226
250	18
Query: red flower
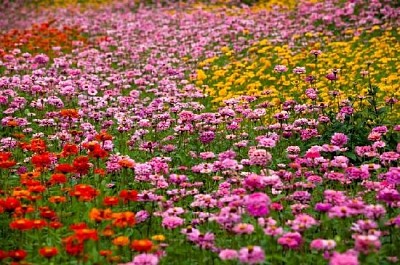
84	192
47	213
98	153
41	160
81	164
5	156
86	234
17	255
48	252
37	188
70	149
5	161
64	168
30	182
10	204
128	195
73	246
7	164
58	178
110	201
78	226
55	224
21	224
39	223
36	145
3	254
24	209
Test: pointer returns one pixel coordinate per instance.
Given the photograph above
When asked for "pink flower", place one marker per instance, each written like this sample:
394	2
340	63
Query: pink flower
367	243
144	259
252	255
291	240
280	68
171	222
259	156
243	228
322	244
228	254
302	222
348	258
273	230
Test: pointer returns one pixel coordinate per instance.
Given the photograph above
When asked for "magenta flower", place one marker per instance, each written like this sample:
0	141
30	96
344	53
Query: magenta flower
339	139
257	204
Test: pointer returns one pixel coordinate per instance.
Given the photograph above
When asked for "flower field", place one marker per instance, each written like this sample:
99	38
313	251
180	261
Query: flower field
253	132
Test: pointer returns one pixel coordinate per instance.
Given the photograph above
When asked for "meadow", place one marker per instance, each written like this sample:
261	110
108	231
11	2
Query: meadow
226	132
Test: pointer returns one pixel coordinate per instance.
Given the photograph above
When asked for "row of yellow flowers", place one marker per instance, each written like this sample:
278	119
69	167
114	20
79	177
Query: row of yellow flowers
358	60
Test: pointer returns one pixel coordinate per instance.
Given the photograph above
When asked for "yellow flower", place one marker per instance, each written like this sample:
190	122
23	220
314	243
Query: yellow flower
158	238
201	75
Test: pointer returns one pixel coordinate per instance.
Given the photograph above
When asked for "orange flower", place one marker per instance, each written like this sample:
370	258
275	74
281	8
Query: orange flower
12	123
103	136
126	163
121	241
18	193
108	232
98	215
30	175
142	245
19	136
100	171
57	199
123	219
69	113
